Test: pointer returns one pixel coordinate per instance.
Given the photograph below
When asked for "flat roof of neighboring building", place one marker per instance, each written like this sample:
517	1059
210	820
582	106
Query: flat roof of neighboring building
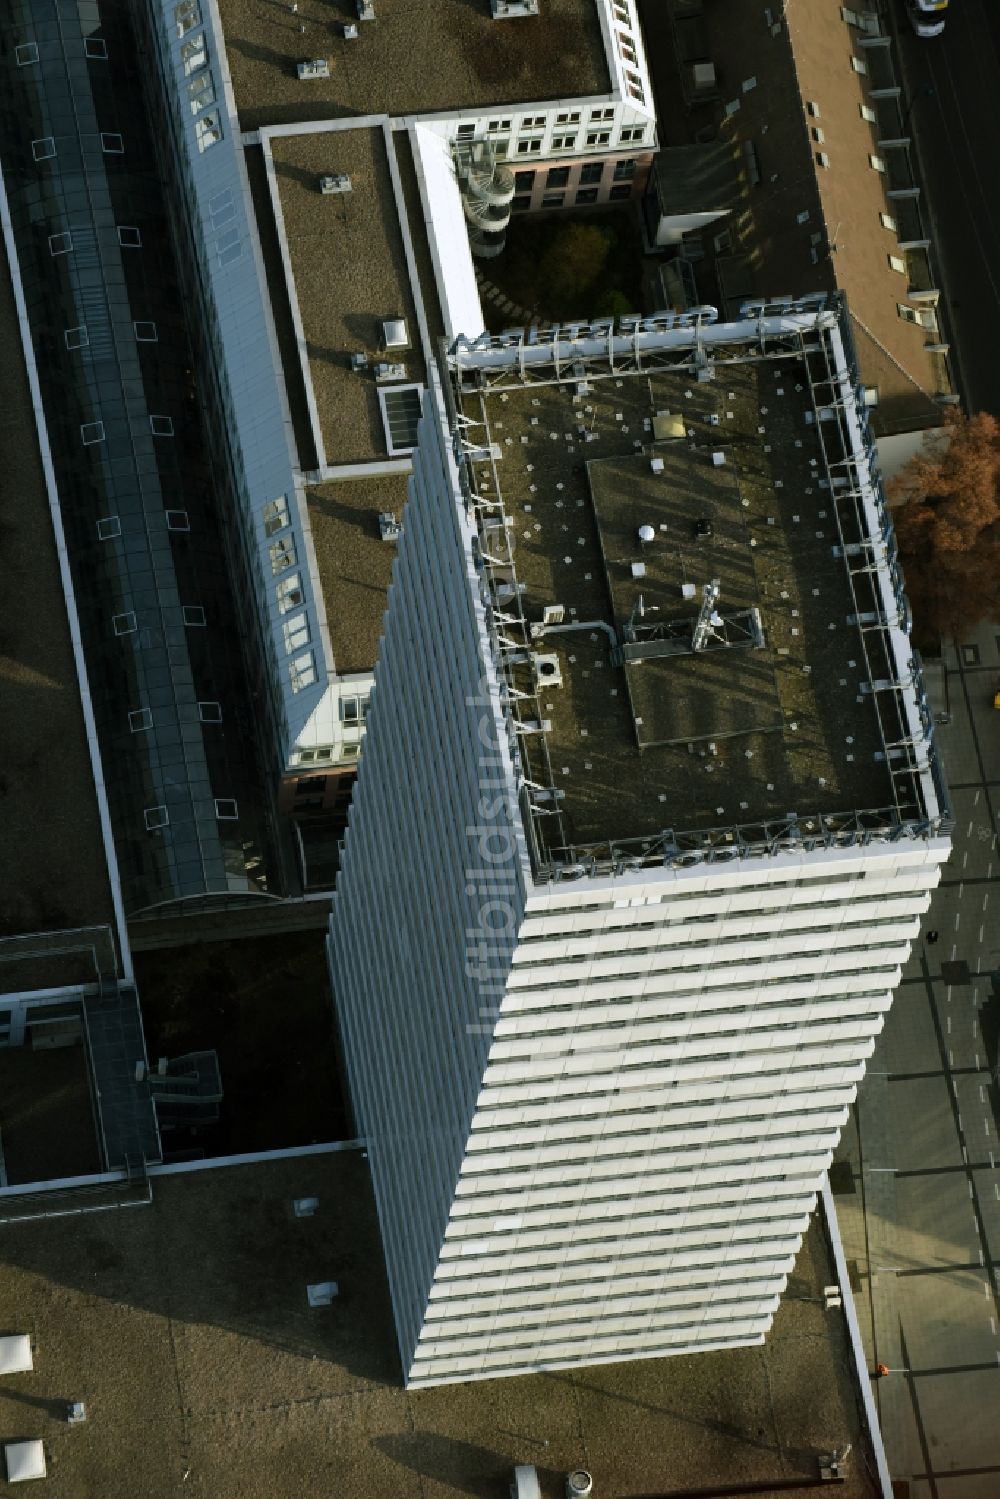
51	847
184	1328
809	213
424	57
727	735
355	564
350	276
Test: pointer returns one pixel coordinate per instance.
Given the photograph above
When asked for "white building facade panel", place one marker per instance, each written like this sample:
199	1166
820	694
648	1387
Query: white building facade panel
645	1073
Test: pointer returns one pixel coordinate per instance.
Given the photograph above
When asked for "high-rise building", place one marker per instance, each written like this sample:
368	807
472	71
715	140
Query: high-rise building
645	825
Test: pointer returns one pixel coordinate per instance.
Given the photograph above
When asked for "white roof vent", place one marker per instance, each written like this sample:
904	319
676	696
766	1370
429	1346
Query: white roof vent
350	31
24	1460
502	10
579	1484
395	334
548	672
525	1485
335	182
646	535
316	67
553	614
365	10
15	1353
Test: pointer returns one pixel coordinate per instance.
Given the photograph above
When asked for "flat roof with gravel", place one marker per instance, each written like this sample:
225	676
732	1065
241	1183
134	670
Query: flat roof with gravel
349	276
185	1329
657	736
355	564
423	57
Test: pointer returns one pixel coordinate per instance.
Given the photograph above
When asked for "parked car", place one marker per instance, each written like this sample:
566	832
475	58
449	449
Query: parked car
927	16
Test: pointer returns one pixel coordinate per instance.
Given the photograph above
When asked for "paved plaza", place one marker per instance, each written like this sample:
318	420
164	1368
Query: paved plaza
918	1180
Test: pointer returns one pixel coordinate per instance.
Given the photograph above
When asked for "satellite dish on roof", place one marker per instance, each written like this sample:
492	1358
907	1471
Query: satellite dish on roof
646	535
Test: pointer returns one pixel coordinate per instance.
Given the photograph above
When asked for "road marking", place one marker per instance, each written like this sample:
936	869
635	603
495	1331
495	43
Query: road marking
978	794
986	1125
996	1185
993	1326
954	950
980	936
965	862
982	1093
951	1061
958	917
985	899
949	1025
975	1025
968	831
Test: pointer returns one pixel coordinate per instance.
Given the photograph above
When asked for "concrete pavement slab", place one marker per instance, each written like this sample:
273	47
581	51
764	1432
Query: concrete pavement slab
973	833
946	1319
922	1130
909	1041
973	1096
958	1014
934	1222
968	1486
987	1183
959	1416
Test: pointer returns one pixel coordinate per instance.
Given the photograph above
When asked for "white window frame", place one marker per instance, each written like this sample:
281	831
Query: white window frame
275	515
296	632
302	671
282	555
289	593
187	15
208	130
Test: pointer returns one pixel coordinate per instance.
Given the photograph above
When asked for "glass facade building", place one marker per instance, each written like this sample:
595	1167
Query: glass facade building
138	494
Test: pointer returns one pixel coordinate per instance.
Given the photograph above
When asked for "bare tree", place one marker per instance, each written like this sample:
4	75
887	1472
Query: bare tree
946	508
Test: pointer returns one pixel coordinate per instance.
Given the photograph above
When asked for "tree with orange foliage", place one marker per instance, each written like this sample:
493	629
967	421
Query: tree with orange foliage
946	510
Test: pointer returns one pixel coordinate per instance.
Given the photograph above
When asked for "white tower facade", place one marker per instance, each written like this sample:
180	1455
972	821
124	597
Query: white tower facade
601	1076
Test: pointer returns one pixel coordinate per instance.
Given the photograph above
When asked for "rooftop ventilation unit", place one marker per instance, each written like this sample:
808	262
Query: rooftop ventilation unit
502	10
553	614
24	1460
525	1484
317	67
359	362
384	371
548	672
349	31
647	534
579	1484
388	526
337	182
395	335
365	10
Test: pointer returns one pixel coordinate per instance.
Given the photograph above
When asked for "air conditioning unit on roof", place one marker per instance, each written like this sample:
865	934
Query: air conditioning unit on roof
317	67
503	10
336	182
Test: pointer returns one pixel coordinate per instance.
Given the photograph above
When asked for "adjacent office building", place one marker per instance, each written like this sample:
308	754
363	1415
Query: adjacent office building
646	822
